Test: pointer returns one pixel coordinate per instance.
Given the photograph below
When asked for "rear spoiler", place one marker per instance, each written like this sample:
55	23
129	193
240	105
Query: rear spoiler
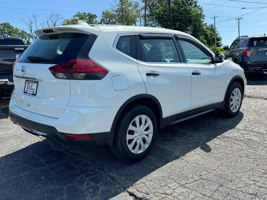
87	29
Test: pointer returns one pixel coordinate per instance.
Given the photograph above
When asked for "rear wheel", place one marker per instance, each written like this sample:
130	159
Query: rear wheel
135	134
233	100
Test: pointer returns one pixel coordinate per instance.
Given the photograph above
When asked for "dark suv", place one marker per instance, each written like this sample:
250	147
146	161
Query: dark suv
249	52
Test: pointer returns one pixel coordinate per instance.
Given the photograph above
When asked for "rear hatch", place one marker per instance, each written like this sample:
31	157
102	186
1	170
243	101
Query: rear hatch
37	89
258	48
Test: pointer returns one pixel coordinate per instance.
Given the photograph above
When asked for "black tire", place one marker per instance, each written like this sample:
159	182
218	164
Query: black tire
121	147
232	105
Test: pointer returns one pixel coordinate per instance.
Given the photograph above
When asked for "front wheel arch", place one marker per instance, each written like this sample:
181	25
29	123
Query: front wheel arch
237	79
230	97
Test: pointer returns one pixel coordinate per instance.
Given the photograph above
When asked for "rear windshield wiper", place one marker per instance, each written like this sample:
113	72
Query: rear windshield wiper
38	59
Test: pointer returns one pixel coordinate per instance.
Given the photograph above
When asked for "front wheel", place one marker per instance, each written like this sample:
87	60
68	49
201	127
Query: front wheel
233	100
135	134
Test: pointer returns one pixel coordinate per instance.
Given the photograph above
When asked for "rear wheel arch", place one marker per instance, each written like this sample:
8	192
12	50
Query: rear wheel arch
145	100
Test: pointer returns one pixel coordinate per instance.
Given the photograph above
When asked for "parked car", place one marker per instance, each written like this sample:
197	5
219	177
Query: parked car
119	85
9	48
249	52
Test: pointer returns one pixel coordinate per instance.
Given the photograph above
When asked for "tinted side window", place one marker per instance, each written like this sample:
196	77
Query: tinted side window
194	54
11	41
158	50
238	43
127	45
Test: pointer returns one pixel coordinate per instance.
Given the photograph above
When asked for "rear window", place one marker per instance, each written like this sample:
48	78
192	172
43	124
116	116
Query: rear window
257	42
11	41
58	48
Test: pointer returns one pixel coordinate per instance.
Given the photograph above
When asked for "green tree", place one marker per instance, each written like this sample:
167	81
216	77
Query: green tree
89	18
7	30
208	36
108	17
126	12
187	15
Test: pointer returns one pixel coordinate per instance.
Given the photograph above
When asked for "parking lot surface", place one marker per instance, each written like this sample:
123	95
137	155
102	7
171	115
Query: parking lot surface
208	157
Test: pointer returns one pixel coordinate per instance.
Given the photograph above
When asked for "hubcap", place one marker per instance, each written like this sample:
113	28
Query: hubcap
139	134
235	100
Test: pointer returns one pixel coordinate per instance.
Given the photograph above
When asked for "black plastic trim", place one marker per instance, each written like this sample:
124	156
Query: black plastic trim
168	120
155	36
237	77
53	134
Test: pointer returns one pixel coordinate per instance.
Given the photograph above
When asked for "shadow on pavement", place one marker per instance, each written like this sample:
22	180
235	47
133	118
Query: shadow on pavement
45	170
4	101
256	79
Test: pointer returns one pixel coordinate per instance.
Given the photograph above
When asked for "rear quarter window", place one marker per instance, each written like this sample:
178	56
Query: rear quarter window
58	48
127	45
257	42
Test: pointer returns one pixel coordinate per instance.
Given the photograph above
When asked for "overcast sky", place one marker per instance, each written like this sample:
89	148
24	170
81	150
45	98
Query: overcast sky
253	12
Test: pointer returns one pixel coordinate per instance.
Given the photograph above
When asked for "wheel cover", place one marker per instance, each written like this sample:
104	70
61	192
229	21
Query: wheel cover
235	100
139	134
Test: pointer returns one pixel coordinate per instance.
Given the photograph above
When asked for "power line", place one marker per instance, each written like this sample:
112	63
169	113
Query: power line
249	2
217	5
242	15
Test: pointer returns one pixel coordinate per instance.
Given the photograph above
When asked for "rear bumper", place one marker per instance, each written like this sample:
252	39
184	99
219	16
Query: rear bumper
53	134
6	84
5	81
248	67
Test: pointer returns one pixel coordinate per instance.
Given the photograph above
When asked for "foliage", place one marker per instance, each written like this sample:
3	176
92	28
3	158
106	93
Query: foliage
208	36
187	15
108	17
89	18
7	30
126	12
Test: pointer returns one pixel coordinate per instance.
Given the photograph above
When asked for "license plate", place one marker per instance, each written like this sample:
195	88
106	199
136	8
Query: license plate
31	87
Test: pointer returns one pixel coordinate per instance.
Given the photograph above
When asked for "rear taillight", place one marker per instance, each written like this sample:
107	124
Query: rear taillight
80	69
247	52
15	63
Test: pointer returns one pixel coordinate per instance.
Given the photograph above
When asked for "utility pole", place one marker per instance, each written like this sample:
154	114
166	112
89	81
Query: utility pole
145	11
215	42
238	21
170	13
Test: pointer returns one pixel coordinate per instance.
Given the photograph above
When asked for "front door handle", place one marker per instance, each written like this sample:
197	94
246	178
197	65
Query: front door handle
152	73
196	73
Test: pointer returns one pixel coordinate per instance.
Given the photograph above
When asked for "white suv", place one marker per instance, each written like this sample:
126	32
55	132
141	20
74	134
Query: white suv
118	85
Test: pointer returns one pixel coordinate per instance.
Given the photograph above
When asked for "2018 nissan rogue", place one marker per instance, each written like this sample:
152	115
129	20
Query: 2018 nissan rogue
119	85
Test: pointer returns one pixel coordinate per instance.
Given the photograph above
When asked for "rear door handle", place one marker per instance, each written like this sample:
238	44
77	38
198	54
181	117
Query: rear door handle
152	73
196	73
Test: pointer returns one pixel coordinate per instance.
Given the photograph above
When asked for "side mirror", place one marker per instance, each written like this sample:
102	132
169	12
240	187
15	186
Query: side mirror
226	47
219	58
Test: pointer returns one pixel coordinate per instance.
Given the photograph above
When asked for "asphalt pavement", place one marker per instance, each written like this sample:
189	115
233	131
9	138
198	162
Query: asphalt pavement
208	157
